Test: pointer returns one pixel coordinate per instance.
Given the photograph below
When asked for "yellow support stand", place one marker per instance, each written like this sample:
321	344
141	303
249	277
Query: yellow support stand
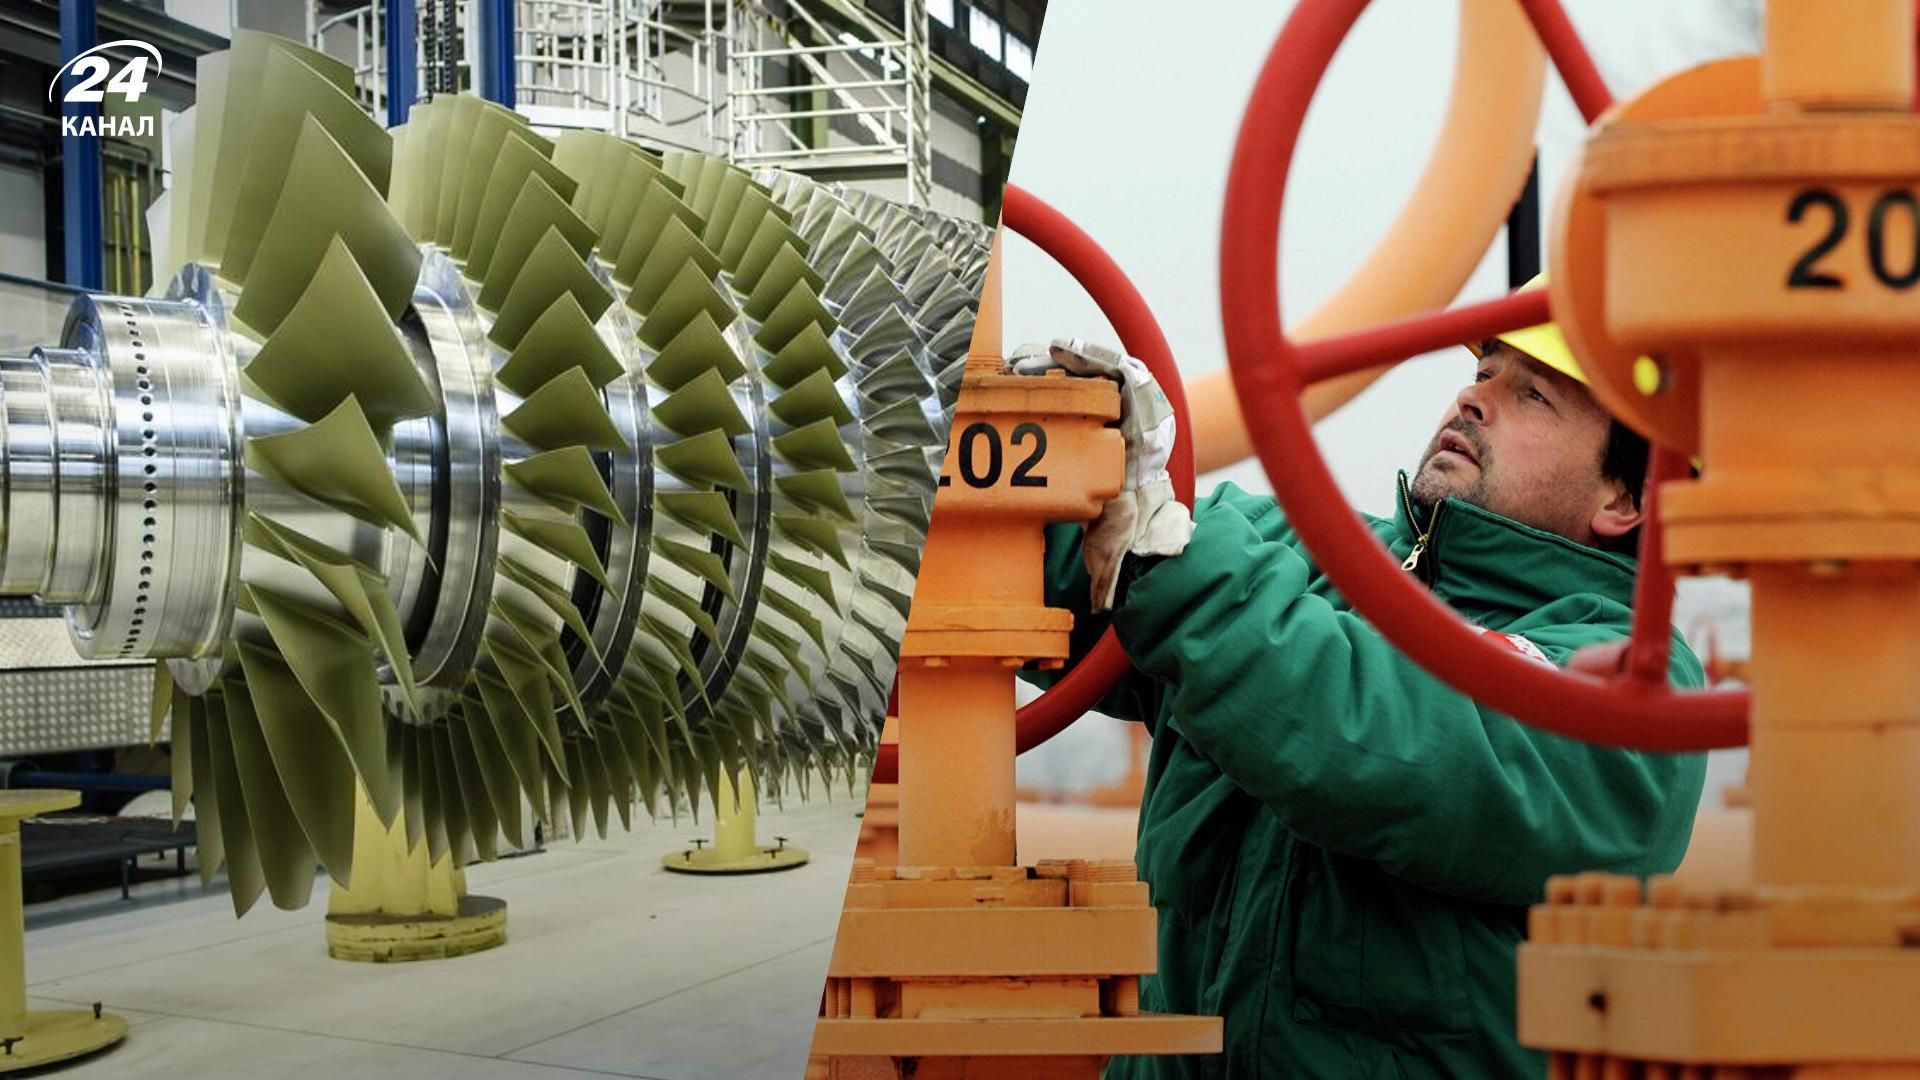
736	849
32	1039
402	907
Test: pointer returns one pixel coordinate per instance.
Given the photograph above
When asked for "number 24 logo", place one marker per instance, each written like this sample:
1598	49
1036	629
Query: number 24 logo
90	69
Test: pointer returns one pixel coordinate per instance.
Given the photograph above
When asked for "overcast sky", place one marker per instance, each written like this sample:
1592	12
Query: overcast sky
1128	130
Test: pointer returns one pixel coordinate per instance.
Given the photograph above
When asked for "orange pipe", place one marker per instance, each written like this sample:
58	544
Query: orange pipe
1460	203
985	353
1857	55
959	761
979	610
1836	725
956	764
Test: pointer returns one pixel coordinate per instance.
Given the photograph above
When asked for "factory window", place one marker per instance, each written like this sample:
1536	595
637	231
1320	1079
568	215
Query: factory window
1020	58
984	31
941	11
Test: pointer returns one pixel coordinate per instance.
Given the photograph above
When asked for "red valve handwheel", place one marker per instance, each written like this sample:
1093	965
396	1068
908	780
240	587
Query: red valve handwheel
1089	680
1616	697
1079	689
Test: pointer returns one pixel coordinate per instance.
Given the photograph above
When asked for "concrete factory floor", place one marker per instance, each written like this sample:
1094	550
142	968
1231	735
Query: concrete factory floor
612	967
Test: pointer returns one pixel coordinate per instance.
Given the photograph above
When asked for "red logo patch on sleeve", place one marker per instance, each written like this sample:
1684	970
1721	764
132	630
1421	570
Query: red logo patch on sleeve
1520	645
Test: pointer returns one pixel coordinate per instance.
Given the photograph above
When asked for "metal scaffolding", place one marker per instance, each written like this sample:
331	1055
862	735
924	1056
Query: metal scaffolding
355	37
791	78
727	77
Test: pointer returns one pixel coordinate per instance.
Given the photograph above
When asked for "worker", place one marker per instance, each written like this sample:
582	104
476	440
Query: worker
1342	849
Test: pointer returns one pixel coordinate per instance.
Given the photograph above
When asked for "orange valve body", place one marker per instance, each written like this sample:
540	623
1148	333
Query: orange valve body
960	962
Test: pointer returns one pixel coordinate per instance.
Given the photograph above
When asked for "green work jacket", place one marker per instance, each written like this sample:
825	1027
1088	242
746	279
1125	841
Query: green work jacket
1340	848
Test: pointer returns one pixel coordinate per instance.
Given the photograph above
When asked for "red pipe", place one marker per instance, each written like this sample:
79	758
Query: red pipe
1393	342
1652	634
1268	376
1079	689
1570	57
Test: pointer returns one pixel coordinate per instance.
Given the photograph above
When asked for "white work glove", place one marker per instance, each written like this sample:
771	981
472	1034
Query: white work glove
1144	518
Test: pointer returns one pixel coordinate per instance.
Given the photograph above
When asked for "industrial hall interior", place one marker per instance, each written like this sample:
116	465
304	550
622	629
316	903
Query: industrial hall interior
466	467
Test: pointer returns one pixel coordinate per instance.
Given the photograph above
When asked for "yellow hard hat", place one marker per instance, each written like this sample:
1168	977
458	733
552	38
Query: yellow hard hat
1548	345
1544	342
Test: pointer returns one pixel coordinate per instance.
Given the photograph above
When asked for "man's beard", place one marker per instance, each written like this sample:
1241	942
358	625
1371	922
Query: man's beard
1428	488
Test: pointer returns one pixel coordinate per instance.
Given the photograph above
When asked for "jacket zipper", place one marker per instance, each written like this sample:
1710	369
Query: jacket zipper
1422	541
